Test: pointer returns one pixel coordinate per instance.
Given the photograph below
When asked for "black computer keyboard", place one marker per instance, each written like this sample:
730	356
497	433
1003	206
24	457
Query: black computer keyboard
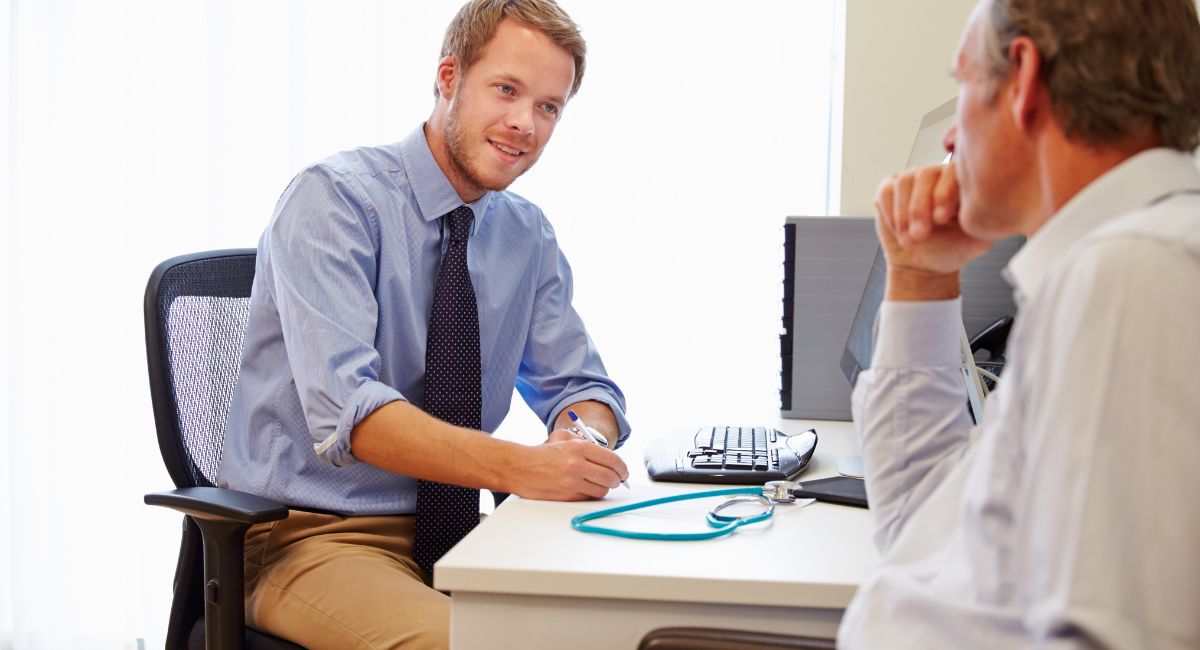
745	455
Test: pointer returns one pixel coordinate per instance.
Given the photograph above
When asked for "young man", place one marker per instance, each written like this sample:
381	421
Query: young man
1066	518
400	294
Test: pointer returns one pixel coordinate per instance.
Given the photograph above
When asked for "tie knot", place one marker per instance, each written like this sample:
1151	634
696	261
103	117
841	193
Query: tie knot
460	223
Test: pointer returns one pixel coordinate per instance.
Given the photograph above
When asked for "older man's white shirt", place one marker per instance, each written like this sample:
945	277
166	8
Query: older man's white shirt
1070	517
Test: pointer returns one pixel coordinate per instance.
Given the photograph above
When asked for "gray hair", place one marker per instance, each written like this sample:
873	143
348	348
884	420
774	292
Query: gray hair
1115	69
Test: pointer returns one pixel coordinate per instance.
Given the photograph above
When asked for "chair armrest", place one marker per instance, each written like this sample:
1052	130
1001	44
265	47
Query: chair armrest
217	504
222	516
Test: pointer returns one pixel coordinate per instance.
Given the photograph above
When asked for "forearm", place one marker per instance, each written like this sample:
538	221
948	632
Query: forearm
597	415
401	438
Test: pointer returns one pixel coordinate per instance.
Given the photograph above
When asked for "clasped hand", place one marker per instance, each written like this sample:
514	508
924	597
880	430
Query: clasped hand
919	226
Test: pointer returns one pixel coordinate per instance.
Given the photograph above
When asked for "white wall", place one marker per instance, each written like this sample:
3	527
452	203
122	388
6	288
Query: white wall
897	62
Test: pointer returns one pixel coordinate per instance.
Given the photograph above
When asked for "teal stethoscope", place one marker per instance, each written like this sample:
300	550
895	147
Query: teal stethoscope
722	524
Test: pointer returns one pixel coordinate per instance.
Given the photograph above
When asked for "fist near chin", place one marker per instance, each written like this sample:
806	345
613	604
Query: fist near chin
917	222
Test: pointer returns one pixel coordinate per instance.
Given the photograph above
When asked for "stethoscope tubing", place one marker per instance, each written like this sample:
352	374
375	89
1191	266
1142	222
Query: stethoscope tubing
721	524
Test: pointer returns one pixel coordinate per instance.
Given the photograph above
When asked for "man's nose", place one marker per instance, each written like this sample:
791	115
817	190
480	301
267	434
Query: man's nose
520	119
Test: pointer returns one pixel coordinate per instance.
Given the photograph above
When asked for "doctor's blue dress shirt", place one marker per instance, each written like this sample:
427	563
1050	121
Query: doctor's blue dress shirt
339	312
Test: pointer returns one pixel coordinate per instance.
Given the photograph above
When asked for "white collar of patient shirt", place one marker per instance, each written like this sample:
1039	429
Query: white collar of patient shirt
1136	182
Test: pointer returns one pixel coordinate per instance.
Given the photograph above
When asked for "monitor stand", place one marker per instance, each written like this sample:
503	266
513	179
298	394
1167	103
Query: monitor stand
850	466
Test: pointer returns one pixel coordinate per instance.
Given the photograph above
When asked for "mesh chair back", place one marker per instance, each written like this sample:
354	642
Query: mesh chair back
196	310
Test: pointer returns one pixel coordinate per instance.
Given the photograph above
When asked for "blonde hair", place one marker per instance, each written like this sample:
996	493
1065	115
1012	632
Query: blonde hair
476	23
1114	68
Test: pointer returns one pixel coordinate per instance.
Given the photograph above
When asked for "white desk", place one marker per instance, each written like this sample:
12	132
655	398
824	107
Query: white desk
525	579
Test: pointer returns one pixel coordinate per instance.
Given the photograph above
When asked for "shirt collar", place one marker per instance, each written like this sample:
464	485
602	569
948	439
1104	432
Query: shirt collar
1136	182
435	194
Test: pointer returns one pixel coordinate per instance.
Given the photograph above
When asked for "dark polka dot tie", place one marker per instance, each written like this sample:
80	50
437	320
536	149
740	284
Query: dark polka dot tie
453	378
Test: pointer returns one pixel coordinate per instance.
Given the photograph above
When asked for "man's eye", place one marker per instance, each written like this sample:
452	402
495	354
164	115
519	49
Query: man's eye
507	89
550	108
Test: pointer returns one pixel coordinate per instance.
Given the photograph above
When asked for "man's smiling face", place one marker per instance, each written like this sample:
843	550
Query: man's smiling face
504	108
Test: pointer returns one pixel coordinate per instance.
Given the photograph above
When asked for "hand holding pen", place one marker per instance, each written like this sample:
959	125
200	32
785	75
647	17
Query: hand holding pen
591	434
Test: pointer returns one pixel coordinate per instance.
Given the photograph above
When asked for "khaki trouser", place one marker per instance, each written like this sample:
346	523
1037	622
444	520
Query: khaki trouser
325	581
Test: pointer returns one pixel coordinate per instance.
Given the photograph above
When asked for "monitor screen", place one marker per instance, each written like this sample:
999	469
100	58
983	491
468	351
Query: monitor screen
986	296
857	355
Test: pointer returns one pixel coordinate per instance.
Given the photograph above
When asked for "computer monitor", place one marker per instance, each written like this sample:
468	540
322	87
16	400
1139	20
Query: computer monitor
986	296
927	147
826	260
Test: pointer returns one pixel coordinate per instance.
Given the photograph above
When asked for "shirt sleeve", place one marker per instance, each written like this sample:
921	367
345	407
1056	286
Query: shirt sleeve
560	364
910	409
321	252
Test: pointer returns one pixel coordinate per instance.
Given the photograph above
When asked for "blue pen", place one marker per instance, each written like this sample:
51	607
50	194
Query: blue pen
592	435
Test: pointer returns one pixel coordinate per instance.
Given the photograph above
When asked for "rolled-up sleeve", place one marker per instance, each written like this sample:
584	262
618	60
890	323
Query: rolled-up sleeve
322	252
561	365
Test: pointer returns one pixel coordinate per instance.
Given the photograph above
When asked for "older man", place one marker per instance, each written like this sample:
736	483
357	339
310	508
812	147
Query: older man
1066	519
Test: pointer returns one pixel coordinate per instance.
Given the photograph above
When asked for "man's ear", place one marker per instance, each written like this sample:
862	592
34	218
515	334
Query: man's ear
447	76
1027	89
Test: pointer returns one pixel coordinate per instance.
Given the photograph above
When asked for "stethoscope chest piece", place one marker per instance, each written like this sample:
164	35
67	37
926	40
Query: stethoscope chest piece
779	491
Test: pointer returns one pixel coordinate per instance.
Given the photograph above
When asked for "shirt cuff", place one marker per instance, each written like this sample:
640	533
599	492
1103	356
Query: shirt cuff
335	449
597	395
918	334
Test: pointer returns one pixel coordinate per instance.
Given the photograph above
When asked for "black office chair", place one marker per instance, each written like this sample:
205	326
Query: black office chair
701	638
196	309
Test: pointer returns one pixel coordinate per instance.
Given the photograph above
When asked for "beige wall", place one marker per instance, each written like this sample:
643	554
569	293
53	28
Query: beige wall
897	69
